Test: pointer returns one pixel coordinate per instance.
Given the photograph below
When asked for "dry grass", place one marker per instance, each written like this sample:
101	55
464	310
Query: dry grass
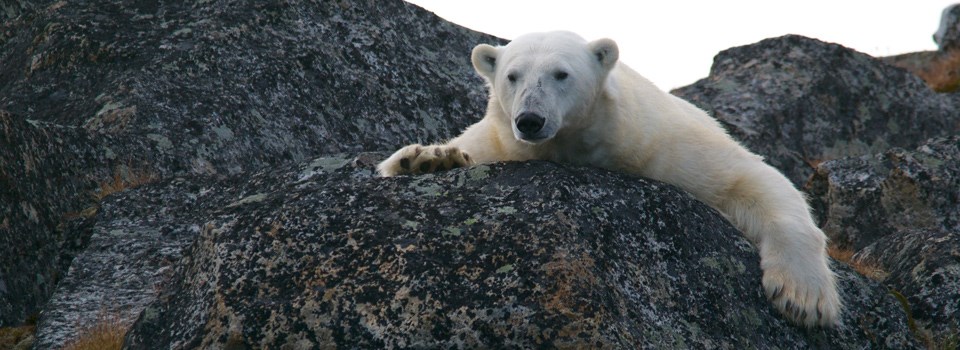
949	341
123	179
17	337
106	334
942	72
866	268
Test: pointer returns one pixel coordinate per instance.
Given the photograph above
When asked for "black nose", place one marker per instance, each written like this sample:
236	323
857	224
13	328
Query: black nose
529	123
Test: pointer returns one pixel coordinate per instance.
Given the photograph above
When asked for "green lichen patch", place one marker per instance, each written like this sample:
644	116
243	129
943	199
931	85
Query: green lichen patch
254	198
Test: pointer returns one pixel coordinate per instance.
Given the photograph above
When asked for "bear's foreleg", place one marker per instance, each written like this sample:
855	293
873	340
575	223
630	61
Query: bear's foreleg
480	143
797	278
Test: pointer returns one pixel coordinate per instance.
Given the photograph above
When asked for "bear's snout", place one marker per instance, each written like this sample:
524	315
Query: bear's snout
529	123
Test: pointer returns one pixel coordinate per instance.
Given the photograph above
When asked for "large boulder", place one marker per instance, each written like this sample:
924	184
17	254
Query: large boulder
799	102
860	200
947	35
506	255
123	92
923	265
900	211
224	87
201	98
46	183
135	240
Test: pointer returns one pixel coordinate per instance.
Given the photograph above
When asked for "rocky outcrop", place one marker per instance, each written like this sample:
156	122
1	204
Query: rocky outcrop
799	102
508	255
241	236
863	199
10	9
46	184
900	210
947	36
223	87
133	243
924	266
217	88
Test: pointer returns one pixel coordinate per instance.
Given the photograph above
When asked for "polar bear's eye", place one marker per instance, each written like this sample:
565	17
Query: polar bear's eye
512	78
561	75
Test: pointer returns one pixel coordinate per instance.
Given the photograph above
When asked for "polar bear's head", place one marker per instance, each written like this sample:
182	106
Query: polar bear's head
546	82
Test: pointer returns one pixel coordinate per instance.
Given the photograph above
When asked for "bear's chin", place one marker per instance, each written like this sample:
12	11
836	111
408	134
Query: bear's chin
534	140
538	138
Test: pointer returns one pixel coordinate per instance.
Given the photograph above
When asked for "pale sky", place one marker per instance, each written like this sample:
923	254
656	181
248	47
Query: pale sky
673	43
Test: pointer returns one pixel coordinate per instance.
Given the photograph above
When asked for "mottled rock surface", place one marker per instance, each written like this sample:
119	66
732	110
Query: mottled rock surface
799	101
134	241
924	266
947	36
900	210
212	88
506	255
46	179
203	98
226	87
860	200
10	9
137	238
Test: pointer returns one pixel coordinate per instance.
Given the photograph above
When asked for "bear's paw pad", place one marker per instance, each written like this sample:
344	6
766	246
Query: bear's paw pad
418	159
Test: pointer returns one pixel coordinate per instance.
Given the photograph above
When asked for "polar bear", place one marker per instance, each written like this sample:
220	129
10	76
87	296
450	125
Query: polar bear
555	96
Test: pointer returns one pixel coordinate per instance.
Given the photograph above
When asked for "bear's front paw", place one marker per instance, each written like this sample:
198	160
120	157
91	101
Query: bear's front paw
805	293
417	159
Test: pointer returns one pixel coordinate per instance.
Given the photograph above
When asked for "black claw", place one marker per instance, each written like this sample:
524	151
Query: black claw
776	293
455	165
425	167
405	163
466	157
441	167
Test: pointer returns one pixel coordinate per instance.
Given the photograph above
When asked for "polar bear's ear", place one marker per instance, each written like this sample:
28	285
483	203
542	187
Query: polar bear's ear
484	60
606	52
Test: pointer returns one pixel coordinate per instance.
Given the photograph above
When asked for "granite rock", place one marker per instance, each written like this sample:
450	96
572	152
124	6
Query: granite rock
860	200
532	254
799	102
900	210
46	182
213	88
10	9
947	36
246	238
923	265
225	87
135	240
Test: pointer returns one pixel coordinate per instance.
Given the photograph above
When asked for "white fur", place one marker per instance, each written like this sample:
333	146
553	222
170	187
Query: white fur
606	115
